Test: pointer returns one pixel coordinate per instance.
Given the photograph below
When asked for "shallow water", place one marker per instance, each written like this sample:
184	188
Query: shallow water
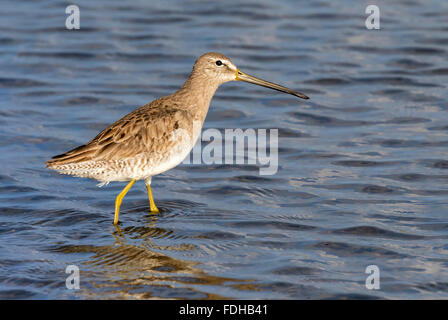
363	166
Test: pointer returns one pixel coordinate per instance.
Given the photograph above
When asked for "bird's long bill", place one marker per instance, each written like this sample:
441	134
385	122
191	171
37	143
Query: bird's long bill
241	76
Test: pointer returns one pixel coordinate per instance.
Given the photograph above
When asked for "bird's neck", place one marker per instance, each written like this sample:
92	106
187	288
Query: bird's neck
197	93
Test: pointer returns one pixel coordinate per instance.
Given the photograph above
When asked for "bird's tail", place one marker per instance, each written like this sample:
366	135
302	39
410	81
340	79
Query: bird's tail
77	155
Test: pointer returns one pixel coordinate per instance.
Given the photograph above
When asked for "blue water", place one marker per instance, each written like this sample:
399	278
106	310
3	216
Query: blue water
363	165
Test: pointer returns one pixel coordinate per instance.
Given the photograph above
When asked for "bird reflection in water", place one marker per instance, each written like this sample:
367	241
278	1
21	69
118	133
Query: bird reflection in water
133	268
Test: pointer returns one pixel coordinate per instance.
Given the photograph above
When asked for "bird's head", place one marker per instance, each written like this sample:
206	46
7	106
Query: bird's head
220	69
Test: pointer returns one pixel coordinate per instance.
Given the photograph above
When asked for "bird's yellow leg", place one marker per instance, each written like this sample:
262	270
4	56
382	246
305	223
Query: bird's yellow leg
152	205
119	199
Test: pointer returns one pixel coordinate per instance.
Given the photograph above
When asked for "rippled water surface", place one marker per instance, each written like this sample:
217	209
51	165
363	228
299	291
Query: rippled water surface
363	165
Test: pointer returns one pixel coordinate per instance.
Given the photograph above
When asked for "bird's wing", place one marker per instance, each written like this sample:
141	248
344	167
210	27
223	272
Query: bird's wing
146	130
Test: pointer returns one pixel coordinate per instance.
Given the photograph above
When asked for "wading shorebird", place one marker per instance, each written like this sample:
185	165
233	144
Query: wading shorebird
157	136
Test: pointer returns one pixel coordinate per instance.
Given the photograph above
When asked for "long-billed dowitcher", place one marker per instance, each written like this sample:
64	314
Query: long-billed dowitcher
157	136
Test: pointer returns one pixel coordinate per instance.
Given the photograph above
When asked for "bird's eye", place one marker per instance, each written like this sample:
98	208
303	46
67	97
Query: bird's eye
219	63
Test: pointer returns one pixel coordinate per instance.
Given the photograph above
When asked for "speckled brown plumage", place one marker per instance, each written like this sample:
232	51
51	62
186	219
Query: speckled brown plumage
142	138
147	141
